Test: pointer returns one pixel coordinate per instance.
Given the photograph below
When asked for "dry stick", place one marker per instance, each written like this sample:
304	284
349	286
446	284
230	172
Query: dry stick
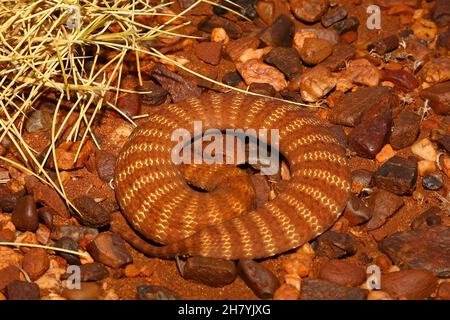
32	245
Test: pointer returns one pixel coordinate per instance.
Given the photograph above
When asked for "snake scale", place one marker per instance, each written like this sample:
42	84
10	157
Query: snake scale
160	204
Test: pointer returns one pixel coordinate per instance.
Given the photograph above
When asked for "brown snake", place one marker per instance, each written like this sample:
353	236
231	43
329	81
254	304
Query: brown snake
159	203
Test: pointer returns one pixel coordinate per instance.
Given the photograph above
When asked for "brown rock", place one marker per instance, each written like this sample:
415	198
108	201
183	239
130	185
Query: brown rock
109	249
405	130
105	164
87	291
441	13
68	244
209	271
385	45
284	59
443	292
286	292
66	153
91	213
427	218
90	272
232	78
21	290
314	51
426	248
77	233
333	15
316	83
24	215
402	79
256	71
147	292
262	88
309	11
213	21
265	10
361	179
342	53
411	284
129	103
262	282
383	204
316	289
436	70
8	275
334	245
280	33
152	94
236	48
36	263
361	71
346	25
397	175
356	211
439	97
209	52
8	198
342	273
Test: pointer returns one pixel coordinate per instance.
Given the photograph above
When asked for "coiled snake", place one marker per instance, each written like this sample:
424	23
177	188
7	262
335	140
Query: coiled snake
161	205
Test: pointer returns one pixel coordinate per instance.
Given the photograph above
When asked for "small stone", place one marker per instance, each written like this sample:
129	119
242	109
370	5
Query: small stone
443	292
361	179
427	218
129	103
425	149
109	248
105	164
349	24
342	273
232	79
436	70
410	284
76	233
385	153
265	89
66	153
131	271
383	204
9	257
68	244
299	265
36	263
405	130
397	175
316	289
334	245
361	71
256	54
8	275
432	182
315	33
87	291
209	52
256	71
265	10
439	97
378	295
425	167
219	35
209	271
38	121
147	292
424	29
280	33
213	21
286	292
402	79
152	94
178	87
425	248
91	213
309	11
236	48
357	212
441	13
24	215
333	15
384	45
46	217
8	198
284	59
90	272
342	53
443	40
316	83
314	51
21	290
444	142
262	282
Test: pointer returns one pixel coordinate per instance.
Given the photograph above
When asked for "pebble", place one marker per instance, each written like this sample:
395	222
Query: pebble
232	78
152	94
287	60
425	149
209	271
209	52
334	245
346	25
357	212
129	103
333	15
236	48
443	292
280	33
36	263
8	199
24	215
262	88
256	54
361	71
69	244
131	271
149	292
219	35
342	273
261	281
410	284
342	53
87	291
77	233
436	70
444	142
361	179
178	87
405	129
426	248
384	204
384	45
309	10
385	154
109	248
315	50
439	97
441	13
213	21
91	213
38	120
427	218
379	295
368	137
286	292
90	272
21	290
66	153
402	79
432	182
298	264
349	110
316	83
443	40
9	257
265	10
317	289
425	167
397	175
105	164
8	275
45	216
256	71
316	33
424	29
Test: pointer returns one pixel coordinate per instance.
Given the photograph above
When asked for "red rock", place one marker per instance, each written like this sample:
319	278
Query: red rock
439	97
309	10
24	216
91	213
262	282
342	273
109	249
209	52
87	291
316	83
105	164
443	292
334	245
402	79
397	175
384	45
285	59
209	271
213	21
152	94
405	129
316	289
314	51
333	15
280	33
20	290
383	204
147	292
256	71
36	263
286	292
411	284
8	275
342	53
90	272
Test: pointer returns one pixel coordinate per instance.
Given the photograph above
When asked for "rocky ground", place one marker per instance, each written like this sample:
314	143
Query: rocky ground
386	91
